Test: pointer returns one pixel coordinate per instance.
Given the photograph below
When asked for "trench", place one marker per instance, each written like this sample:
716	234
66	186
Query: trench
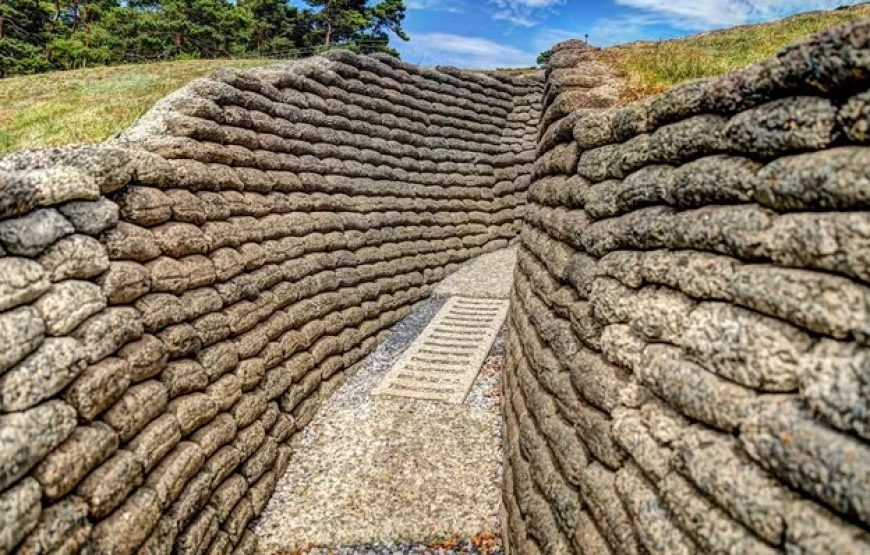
397	474
198	319
199	308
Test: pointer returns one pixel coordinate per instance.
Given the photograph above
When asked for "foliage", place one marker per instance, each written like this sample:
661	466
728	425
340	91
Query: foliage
18	56
652	67
355	23
275	25
544	58
38	35
90	105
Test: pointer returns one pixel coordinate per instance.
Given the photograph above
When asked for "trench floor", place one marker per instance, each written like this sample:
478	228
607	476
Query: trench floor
383	474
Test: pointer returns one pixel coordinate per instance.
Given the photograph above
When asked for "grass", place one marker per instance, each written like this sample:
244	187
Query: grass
652	67
509	71
90	105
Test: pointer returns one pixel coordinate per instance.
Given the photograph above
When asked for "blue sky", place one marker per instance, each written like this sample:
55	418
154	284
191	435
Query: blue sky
505	33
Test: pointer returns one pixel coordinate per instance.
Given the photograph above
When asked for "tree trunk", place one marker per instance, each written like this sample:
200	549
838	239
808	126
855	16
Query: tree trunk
328	14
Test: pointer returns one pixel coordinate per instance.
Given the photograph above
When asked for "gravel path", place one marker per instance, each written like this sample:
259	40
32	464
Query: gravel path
482	544
490	275
393	475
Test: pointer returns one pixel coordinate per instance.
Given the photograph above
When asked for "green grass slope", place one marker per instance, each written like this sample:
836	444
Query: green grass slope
90	105
652	67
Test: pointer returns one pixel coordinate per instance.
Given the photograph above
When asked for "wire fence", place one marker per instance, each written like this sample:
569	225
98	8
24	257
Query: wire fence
210	51
194	49
204	52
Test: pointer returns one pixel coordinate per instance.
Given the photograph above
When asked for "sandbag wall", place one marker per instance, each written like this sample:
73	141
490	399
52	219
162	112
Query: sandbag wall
688	349
176	304
512	170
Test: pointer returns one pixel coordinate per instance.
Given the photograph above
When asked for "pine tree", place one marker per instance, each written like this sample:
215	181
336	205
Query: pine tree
388	16
37	35
338	20
544	58
385	17
77	37
23	34
25	20
274	25
354	22
206	28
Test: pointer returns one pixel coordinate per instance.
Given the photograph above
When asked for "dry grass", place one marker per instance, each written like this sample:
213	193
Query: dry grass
90	105
510	71
651	67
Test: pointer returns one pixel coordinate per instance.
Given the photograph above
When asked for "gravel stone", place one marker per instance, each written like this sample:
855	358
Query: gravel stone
489	275
404	475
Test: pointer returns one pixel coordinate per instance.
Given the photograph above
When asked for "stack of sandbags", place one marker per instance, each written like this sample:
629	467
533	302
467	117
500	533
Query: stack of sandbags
174	306
689	331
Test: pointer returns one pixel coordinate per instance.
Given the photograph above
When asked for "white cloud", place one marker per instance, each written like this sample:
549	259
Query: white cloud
709	14
524	13
434	5
607	31
604	31
691	14
463	51
643	19
546	37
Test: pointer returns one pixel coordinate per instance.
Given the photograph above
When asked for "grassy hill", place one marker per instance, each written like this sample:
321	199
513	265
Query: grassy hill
90	105
651	67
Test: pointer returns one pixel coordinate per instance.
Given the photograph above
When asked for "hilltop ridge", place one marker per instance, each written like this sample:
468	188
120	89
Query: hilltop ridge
651	67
